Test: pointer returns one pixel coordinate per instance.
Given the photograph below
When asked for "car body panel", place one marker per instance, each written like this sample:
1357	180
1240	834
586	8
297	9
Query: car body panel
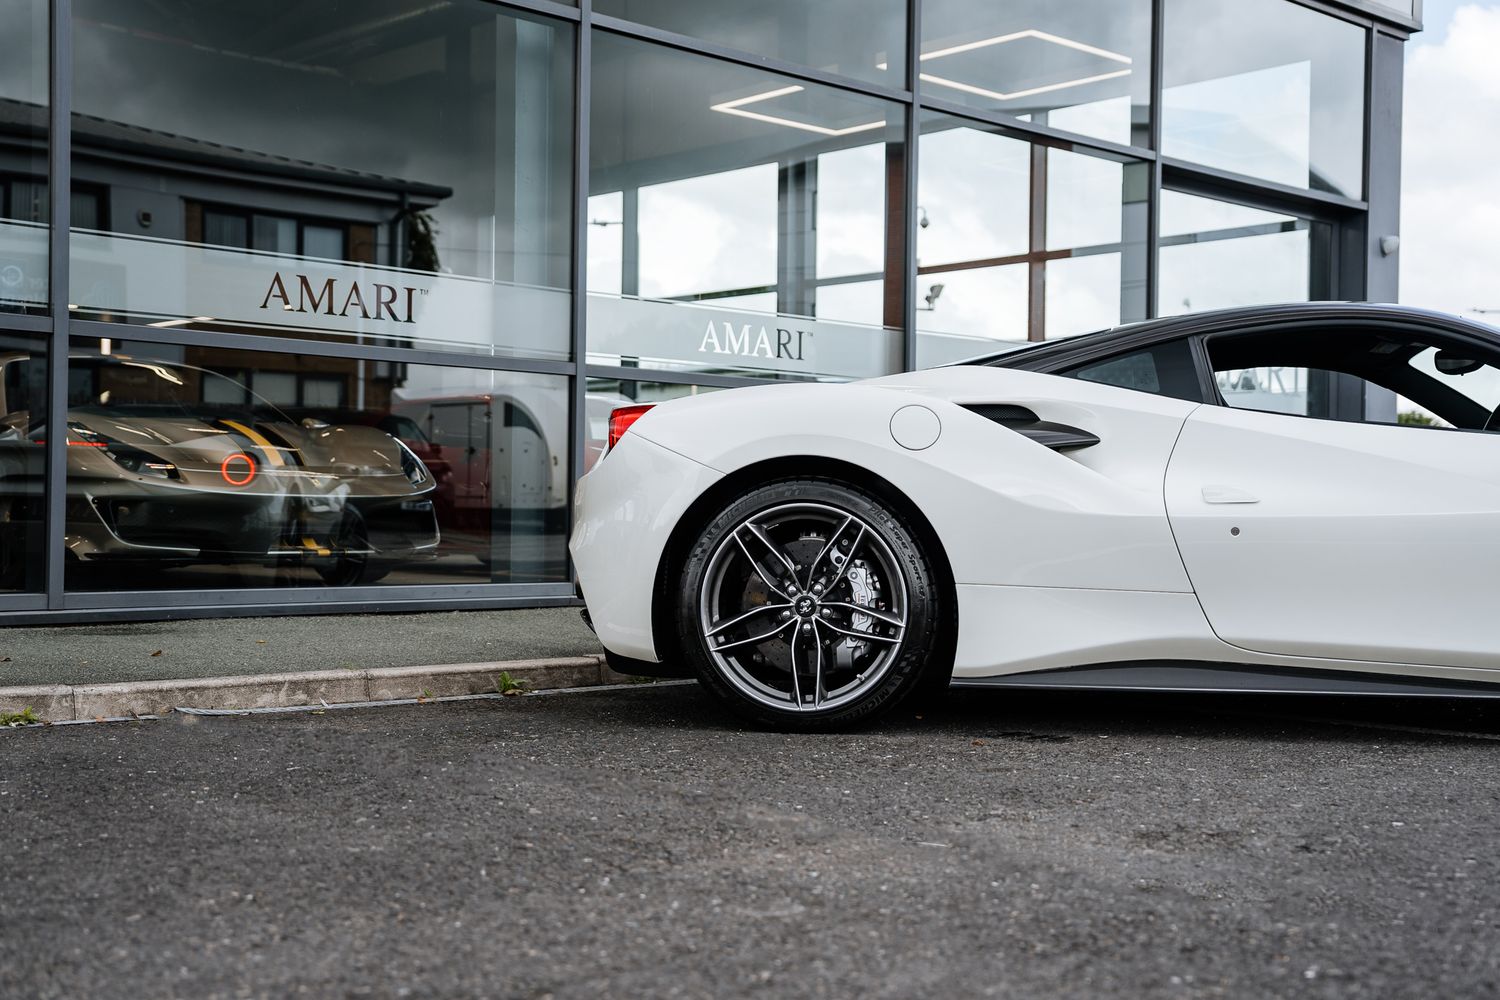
1356	541
1000	523
1008	510
626	509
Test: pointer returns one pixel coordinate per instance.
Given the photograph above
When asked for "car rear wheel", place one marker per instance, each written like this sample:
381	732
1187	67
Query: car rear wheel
810	604
351	564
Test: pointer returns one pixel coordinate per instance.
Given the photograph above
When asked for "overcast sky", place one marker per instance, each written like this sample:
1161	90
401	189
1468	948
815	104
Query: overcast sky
1450	211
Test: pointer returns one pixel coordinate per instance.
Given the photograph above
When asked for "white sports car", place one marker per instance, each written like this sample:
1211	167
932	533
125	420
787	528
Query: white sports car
1195	503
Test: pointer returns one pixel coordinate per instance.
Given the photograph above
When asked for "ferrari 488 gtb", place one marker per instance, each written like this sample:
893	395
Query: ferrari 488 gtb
1222	501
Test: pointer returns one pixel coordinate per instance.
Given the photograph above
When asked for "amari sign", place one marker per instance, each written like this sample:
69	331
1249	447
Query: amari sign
395	303
149	279
767	342
706	336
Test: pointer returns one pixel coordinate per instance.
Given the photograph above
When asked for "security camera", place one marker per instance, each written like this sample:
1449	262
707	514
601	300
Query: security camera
933	291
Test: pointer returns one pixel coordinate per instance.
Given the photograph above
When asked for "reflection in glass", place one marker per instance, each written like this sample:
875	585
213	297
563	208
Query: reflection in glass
1284	102
199	467
963	313
725	202
1019	242
865	39
674	267
606	242
398	170
1215	254
1083	294
23	439
24	208
974	193
1083	66
1083	200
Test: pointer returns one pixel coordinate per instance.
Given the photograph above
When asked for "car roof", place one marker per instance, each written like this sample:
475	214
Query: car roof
1152	331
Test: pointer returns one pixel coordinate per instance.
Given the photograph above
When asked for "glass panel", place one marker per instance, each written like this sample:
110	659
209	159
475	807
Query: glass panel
964	313
606	249
1284	102
226	230
726	203
1097	213
981	255
275	235
669	265
326	242
865	39
1084	66
400	171
202	467
23	439
23	156
1166	369
1480	383
1215	254
1083	294
973	193
1273	390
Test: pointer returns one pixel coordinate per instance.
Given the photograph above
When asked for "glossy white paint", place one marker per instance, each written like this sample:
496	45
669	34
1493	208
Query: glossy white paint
1008	510
1069	558
915	427
627	507
1364	541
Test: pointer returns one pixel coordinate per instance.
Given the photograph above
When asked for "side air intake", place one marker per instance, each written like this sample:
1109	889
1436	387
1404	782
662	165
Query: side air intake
1058	437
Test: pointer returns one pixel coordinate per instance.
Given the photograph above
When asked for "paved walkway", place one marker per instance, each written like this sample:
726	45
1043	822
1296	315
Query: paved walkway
97	654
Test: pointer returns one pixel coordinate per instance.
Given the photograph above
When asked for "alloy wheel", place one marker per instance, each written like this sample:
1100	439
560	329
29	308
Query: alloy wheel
803	607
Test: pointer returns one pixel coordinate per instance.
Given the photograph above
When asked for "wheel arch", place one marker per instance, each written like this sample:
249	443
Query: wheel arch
713	499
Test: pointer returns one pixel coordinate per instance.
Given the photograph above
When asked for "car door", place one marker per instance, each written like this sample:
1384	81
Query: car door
1345	540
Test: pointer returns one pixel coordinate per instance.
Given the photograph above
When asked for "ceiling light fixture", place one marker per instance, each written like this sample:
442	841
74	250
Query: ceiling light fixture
1041	36
737	107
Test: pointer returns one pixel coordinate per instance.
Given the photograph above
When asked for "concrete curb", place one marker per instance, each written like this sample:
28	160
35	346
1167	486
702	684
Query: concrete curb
65	703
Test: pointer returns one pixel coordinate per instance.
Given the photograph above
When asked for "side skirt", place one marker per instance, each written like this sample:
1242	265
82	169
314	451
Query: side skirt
1187	676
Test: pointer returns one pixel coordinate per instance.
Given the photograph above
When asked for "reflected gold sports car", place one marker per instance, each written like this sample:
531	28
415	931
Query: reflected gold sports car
176	465
1300	498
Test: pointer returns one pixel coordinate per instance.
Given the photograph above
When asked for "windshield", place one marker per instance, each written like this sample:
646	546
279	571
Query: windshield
116	386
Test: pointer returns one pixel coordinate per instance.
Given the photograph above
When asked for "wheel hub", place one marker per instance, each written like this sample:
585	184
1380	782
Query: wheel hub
803	606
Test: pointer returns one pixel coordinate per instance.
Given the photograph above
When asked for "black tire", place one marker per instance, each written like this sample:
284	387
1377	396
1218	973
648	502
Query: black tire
881	630
351	567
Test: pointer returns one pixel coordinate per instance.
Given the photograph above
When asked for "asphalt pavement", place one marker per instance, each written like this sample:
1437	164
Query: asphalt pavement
221	647
638	842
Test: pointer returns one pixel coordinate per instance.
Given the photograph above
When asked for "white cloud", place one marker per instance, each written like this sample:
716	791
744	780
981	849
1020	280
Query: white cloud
1450	211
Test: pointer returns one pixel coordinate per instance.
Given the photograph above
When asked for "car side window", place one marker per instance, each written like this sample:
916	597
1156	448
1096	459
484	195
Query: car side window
1303	392
1438	379
1163	369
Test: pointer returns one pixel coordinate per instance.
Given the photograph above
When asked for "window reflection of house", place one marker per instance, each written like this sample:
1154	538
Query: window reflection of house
142	181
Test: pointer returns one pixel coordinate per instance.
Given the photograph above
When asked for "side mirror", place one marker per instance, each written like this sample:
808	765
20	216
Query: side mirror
1449	363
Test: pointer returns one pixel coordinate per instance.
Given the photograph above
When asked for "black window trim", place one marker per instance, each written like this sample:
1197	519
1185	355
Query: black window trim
1055	357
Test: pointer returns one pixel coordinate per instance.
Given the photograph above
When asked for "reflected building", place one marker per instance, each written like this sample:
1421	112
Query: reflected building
458	234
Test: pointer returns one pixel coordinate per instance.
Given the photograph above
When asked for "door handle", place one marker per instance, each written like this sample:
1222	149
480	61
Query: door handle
1228	494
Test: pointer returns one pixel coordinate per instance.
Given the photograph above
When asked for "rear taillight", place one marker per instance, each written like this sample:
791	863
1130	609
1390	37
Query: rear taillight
621	419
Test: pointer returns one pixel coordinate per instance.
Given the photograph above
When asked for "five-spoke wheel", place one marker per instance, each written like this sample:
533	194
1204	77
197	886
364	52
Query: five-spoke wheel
808	600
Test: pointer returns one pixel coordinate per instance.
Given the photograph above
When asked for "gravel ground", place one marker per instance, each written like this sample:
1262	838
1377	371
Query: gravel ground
637	842
219	647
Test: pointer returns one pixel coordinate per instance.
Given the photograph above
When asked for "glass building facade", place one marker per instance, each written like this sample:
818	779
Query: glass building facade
325	305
